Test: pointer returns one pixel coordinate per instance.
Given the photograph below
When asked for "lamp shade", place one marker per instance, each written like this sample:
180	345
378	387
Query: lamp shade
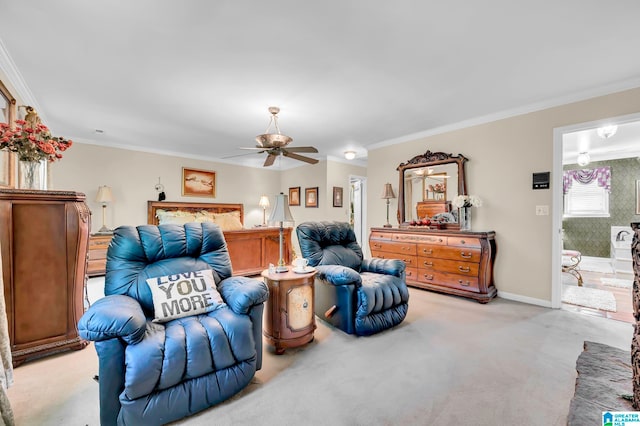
281	213
104	195
264	201
387	192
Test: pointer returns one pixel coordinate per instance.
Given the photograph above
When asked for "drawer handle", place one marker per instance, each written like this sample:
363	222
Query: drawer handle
465	255
409	273
429	251
377	246
407	261
464	269
428	277
428	263
462	242
464	283
440	240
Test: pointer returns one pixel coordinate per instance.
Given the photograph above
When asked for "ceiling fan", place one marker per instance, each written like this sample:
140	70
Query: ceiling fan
275	144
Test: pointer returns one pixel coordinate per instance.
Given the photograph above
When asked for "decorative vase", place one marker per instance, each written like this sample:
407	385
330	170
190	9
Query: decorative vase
33	175
465	218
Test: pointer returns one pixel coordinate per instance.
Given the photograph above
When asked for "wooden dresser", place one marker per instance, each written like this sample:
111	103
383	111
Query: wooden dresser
44	237
97	259
447	261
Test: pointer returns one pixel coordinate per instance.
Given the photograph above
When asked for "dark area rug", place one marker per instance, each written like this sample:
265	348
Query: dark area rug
604	377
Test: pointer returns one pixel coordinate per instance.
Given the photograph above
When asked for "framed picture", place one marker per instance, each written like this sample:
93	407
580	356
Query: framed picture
198	183
311	197
638	197
337	196
294	196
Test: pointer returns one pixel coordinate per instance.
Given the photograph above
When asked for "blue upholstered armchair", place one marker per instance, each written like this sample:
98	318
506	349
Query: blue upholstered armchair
359	296
156	371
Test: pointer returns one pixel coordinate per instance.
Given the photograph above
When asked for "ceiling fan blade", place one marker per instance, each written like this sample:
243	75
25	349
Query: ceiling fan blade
301	149
289	154
270	160
257	148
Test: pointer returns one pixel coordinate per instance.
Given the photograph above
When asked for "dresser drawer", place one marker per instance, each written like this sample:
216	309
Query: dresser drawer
452	266
391	247
418	238
449	280
410	261
411	274
463	242
447	252
385	236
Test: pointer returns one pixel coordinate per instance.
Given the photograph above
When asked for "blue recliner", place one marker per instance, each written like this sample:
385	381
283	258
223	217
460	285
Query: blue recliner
153	373
361	297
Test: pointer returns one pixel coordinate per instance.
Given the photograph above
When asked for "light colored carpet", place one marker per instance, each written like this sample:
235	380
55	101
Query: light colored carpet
453	361
589	297
617	282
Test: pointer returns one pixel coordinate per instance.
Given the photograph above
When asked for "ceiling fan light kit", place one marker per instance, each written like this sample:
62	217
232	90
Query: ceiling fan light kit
275	144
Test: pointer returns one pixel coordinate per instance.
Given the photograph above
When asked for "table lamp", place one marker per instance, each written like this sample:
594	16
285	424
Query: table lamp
388	194
281	216
264	203
104	196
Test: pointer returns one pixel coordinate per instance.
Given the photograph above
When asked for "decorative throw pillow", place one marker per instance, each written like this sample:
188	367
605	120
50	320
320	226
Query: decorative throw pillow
228	221
184	294
176	217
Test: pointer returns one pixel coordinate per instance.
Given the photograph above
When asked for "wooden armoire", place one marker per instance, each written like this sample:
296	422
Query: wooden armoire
44	240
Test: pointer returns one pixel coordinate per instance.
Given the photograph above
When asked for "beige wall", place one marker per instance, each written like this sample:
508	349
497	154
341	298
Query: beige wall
132	175
502	157
325	175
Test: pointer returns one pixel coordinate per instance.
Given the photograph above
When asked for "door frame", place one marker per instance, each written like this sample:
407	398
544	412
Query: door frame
556	202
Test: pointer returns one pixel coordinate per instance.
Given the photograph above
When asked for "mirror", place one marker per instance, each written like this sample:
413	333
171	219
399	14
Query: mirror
428	184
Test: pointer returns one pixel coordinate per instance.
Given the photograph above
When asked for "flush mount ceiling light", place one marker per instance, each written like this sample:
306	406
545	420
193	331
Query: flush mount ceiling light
606	132
349	155
583	158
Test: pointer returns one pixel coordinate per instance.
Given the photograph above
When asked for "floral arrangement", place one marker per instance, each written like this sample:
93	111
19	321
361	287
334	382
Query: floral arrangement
32	144
466	201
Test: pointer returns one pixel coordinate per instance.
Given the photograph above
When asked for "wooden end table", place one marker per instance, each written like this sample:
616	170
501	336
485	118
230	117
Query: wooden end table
289	319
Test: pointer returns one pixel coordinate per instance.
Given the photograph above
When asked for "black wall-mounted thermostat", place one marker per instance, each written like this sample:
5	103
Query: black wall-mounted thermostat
541	180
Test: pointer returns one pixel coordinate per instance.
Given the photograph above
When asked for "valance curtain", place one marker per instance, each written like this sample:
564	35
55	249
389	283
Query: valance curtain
585	176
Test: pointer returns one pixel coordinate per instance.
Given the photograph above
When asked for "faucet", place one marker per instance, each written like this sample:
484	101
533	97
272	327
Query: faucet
620	236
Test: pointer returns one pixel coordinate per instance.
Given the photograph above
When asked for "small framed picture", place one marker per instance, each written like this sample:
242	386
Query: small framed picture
198	183
294	196
337	196
311	197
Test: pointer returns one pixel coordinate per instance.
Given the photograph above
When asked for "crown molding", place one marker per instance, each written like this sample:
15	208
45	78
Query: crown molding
608	89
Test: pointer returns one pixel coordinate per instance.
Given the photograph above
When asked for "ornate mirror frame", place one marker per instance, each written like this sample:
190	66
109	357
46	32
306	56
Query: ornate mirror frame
430	159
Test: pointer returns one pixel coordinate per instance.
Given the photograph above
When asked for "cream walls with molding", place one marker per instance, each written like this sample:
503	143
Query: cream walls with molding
502	157
324	175
132	175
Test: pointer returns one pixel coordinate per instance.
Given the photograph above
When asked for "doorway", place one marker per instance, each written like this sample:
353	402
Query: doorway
357	212
576	148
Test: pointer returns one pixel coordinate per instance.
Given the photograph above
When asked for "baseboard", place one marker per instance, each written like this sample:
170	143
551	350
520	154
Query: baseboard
524	299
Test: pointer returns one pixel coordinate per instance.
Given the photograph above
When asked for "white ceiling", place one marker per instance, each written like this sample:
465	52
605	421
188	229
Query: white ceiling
196	77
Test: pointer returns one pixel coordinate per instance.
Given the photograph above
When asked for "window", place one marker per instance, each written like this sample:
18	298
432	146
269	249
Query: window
586	200
586	192
7	115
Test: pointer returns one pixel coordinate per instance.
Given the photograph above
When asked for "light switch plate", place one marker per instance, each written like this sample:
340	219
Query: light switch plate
542	210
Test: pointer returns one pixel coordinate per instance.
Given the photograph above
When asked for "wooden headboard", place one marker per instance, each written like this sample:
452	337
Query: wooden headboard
153	206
